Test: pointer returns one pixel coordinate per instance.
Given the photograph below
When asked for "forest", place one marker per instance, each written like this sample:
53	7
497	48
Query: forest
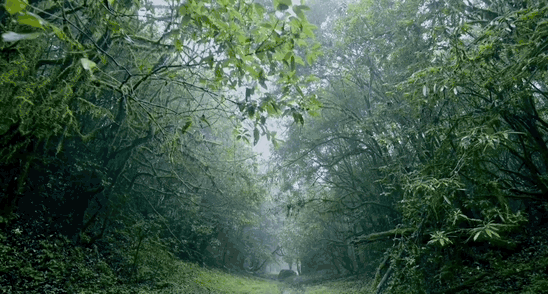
274	146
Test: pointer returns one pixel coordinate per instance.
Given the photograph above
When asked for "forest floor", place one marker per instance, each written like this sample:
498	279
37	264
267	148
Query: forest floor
39	263
215	281
52	264
199	280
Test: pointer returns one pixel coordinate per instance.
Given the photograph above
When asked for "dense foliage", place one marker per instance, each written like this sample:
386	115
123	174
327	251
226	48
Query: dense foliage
431	142
125	136
416	155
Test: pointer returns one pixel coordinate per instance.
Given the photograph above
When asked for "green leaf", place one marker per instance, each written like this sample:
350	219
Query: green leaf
313	113
298	9
186	19
31	19
209	60
218	71
256	136
285	2
315	102
271	108
302	7
308	30
178	45
282	7
187	125
14	37
258	8
251	111
275	142
477	235
248	93
310	58
287	56
299	91
15	6
58	32
87	64
298	118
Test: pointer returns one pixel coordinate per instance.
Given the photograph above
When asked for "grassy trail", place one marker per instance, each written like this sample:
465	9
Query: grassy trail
193	279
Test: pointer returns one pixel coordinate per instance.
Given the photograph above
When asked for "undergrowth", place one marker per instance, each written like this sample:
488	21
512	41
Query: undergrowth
32	262
480	269
35	261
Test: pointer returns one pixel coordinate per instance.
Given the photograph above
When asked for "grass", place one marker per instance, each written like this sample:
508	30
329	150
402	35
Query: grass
191	278
32	264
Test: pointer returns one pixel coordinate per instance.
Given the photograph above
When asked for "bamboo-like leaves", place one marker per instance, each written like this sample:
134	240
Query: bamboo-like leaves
15	6
14	37
439	237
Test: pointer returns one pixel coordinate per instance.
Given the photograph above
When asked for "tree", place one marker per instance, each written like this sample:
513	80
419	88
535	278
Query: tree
434	120
118	120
